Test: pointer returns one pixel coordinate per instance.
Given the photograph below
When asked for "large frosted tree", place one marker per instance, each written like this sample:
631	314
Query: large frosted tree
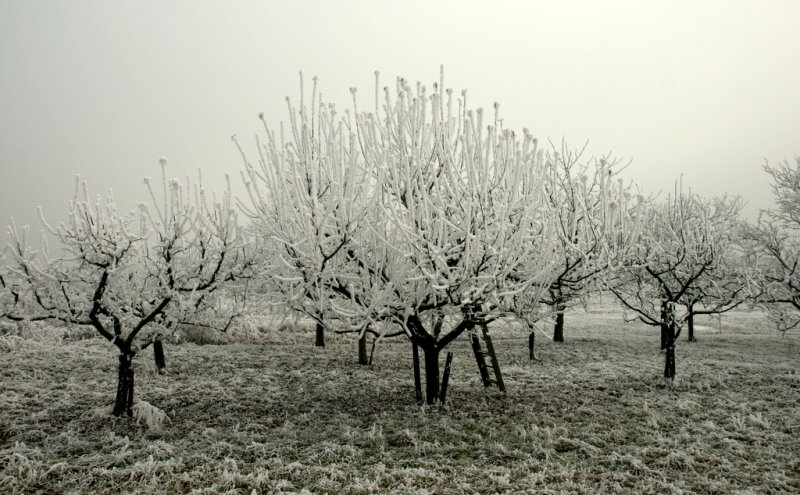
136	277
431	218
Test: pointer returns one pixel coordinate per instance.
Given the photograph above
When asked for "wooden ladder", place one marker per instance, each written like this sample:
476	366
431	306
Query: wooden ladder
480	357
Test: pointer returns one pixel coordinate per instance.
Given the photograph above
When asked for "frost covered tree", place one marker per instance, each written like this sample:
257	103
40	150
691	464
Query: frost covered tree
307	198
136	277
727	287
15	306
775	244
430	220
596	219
682	253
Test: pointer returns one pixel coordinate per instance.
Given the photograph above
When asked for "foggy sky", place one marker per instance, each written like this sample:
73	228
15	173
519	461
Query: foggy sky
704	90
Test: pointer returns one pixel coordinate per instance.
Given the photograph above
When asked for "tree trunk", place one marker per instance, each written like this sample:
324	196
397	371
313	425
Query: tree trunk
669	358
431	373
362	350
320	340
158	352
124	400
531	345
558	330
690	324
664	324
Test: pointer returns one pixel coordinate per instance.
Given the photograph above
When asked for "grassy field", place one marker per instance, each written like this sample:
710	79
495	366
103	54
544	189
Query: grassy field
277	415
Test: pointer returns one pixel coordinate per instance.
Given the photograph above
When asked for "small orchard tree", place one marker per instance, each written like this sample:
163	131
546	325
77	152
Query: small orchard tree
775	243
136	277
681	255
437	226
596	220
725	288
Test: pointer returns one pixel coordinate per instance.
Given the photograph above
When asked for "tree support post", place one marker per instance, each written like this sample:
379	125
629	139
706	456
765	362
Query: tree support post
479	357
445	378
495	364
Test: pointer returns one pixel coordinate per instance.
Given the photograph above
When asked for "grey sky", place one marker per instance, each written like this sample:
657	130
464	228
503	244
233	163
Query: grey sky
704	89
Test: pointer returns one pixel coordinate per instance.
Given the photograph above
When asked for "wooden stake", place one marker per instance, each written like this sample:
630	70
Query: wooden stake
445	378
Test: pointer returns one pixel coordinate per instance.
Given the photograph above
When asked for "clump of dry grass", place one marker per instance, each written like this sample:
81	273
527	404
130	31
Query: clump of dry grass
280	416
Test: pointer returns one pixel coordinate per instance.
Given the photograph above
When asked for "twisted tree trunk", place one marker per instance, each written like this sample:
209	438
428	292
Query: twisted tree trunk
124	400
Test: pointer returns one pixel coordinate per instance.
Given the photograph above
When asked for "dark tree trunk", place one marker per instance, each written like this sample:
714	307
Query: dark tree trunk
669	335
362	350
124	399
431	373
320	340
664	324
669	357
690	325
158	352
558	330
531	346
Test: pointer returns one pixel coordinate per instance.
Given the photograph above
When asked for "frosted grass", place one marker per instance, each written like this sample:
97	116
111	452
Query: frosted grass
276	415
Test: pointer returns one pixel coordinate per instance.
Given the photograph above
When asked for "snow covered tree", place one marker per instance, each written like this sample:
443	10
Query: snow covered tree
307	198
681	254
136	277
728	286
776	247
597	221
432	216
